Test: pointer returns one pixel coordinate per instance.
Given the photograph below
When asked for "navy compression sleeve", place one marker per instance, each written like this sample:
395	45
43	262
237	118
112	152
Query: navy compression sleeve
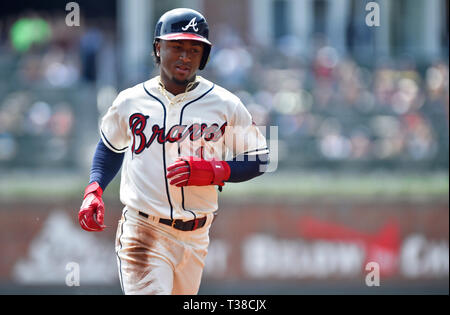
246	167
105	165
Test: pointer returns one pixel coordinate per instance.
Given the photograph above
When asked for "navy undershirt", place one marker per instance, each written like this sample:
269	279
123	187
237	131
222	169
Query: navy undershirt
246	167
106	164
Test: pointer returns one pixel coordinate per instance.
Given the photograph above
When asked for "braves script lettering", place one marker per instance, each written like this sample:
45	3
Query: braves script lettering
177	133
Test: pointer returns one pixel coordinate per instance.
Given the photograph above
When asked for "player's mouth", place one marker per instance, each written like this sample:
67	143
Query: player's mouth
182	70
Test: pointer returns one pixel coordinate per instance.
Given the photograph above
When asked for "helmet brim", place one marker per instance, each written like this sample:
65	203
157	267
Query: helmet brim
184	36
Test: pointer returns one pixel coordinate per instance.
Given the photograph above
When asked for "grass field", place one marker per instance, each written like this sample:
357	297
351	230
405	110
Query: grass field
345	185
298	185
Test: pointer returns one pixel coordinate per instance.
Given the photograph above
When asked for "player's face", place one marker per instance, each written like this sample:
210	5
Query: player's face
180	59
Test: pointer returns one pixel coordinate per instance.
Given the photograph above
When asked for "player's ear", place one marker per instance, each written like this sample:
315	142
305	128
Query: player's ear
156	51
157	48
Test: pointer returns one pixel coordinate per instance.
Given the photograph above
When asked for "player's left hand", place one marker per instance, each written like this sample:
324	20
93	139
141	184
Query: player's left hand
194	171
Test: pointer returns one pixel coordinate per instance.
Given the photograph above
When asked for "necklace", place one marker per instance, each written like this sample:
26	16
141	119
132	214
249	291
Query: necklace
180	97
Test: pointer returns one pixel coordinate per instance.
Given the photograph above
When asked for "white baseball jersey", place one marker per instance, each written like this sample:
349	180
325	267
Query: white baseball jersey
154	127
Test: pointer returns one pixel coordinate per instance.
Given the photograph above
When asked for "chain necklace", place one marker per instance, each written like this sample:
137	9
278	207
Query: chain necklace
177	98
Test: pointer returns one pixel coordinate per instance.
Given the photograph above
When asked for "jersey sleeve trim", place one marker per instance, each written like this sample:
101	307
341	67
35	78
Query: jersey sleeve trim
110	146
257	151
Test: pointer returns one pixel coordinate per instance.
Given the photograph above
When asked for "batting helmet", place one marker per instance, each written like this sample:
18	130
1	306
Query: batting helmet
179	24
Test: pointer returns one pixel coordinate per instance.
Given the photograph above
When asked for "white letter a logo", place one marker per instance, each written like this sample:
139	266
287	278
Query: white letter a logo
191	23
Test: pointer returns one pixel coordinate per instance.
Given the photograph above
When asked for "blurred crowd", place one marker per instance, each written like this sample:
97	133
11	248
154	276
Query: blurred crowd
49	82
330	109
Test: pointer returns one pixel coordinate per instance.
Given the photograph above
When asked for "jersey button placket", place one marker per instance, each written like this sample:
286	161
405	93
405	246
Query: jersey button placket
173	116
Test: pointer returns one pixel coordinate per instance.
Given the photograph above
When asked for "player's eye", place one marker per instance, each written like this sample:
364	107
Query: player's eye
176	47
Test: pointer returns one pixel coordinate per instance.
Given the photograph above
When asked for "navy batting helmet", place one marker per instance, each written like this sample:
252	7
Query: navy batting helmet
179	24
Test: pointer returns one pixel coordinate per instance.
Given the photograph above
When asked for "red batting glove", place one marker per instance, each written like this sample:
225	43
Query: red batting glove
92	210
193	171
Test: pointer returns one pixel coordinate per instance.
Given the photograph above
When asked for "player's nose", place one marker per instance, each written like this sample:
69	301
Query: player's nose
184	55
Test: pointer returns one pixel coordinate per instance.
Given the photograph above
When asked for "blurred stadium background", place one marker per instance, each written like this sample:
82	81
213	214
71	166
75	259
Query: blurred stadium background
362	153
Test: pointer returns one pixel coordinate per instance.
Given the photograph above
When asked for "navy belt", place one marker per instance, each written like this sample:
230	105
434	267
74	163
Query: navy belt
180	224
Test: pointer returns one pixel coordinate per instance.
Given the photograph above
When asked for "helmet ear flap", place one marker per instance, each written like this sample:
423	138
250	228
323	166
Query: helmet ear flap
205	57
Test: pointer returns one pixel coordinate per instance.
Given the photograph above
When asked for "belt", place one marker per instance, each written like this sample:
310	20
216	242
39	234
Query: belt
180	224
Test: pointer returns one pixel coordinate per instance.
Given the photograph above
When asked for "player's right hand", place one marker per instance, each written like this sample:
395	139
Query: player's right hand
92	210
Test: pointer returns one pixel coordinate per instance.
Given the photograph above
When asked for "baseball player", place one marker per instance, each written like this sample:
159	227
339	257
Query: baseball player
178	138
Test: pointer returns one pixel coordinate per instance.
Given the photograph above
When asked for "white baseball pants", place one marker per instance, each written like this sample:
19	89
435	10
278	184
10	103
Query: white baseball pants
154	258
